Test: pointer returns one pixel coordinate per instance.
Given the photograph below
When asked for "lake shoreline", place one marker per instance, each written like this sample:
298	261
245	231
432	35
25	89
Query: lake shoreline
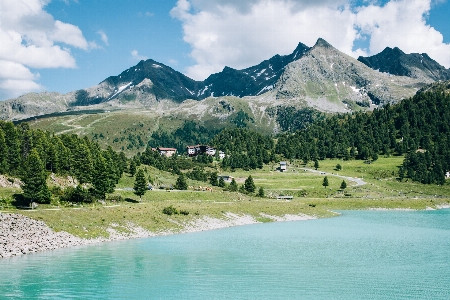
22	235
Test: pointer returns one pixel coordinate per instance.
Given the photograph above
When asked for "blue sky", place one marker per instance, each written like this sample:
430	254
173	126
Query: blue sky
65	45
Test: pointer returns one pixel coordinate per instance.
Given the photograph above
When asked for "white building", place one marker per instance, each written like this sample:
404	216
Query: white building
167	152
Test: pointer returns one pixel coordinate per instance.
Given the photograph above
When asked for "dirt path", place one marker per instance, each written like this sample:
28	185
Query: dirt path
79	127
358	181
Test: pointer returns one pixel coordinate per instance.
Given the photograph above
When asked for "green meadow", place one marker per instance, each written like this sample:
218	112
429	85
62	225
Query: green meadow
381	190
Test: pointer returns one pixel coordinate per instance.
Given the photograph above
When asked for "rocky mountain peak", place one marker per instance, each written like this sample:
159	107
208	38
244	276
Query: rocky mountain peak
396	62
322	43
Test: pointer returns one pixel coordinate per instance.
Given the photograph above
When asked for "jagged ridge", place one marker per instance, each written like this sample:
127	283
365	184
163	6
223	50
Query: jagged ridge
396	62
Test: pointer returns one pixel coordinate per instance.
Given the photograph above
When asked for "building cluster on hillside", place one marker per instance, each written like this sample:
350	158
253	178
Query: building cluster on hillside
203	149
191	151
167	152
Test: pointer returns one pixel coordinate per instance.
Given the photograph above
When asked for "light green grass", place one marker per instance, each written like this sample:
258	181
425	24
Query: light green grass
310	197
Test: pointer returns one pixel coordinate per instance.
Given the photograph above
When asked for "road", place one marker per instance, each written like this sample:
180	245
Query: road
358	181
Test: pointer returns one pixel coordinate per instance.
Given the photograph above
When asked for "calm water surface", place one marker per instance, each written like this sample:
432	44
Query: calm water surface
360	255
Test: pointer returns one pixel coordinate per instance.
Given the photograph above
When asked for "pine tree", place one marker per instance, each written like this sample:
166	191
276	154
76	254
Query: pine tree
132	169
249	185
3	153
35	179
13	146
221	182
181	183
325	182
213	179
261	192
100	181
343	185
233	186
140	184
82	165
316	164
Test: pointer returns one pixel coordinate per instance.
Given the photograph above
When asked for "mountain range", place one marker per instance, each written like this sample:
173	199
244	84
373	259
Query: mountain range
320	77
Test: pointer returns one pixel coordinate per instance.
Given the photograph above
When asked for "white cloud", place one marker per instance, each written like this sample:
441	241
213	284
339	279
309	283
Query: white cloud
136	56
103	37
239	33
403	24
15	79
31	38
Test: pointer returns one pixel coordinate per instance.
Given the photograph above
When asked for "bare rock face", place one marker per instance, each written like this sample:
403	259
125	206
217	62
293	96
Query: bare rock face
6	182
396	62
32	104
21	235
320	77
326	73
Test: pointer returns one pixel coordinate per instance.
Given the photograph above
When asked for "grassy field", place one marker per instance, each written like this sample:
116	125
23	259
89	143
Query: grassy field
381	190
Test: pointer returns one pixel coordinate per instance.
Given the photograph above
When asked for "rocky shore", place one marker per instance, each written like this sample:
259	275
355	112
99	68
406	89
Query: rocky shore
22	235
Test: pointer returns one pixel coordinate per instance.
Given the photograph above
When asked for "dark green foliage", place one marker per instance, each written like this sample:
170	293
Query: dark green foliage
316	164
184	212
3	153
181	183
425	167
77	195
170	210
291	119
241	119
249	185
62	154
199	174
325	182
132	168
173	164
34	177
338	167
82	165
261	192
248	149
13	147
101	182
114	198
213	179
221	182
233	186
140	184
343	185
190	133
420	123
203	159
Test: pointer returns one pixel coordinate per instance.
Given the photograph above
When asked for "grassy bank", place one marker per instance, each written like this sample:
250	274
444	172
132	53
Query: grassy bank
382	190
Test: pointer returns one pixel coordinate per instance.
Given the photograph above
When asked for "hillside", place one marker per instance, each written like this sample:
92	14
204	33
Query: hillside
327	78
321	77
396	62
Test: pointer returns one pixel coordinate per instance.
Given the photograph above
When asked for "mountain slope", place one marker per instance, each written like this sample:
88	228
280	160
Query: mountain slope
321	77
252	81
324	76
396	62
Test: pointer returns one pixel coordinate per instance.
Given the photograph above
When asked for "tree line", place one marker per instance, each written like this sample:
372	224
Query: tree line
418	128
31	154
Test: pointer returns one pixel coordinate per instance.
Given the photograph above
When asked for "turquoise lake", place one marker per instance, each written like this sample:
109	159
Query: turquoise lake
359	255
